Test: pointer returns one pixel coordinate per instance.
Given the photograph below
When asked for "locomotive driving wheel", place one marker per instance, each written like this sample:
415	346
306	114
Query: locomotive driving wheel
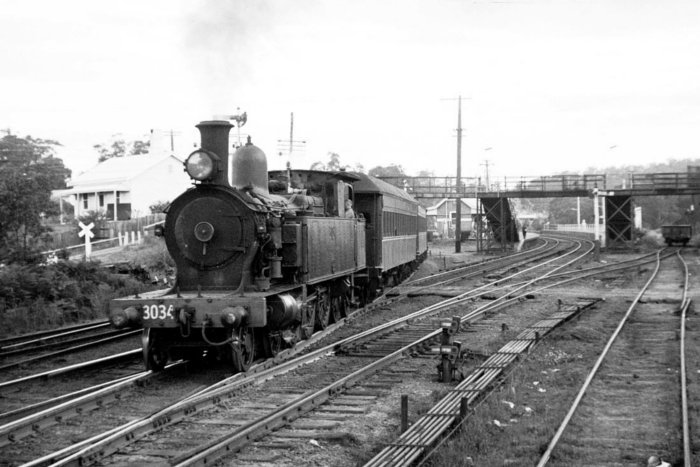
155	354
242	349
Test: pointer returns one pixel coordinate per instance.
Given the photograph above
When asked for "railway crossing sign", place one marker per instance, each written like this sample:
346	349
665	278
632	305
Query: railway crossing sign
86	231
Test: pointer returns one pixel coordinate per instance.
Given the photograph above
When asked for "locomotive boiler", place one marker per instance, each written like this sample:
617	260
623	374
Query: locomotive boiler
266	259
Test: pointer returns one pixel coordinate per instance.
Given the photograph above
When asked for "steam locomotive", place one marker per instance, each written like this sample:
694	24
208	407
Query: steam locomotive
268	259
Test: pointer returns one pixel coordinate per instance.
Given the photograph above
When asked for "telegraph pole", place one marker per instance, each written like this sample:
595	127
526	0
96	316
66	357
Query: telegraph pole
292	144
458	224
458	187
486	164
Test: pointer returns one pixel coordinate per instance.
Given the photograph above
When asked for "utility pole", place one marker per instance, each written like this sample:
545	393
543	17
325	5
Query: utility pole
486	163
458	181
458	224
159	135
291	145
291	149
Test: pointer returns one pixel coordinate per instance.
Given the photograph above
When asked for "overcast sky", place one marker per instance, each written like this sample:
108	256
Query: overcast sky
552	85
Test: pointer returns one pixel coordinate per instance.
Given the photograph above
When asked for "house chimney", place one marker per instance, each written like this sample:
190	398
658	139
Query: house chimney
214	134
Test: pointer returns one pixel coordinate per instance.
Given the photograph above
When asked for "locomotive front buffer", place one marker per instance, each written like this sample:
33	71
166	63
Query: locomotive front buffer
183	325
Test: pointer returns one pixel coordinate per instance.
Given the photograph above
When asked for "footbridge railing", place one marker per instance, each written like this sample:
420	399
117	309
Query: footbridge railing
446	187
681	183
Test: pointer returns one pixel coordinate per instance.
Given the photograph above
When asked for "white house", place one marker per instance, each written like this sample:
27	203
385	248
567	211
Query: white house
132	183
442	216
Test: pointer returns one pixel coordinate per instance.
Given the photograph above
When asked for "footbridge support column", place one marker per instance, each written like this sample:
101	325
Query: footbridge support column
495	224
619	219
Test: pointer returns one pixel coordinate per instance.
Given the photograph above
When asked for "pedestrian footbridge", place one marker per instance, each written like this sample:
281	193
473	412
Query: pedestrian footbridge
495	213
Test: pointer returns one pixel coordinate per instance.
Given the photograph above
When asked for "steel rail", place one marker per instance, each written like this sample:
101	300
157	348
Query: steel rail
488	261
54	457
448	302
25	426
8	341
578	277
506	259
385	299
473	390
67	369
594	271
38	406
588	273
557	436
58	344
490	268
69	350
685	304
85	452
258	428
407	457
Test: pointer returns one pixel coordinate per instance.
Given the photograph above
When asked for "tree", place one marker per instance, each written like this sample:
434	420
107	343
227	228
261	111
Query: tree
158	207
29	171
120	148
564	210
391	170
333	164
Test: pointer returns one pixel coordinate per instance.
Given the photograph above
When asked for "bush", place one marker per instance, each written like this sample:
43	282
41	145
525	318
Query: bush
158	207
37	297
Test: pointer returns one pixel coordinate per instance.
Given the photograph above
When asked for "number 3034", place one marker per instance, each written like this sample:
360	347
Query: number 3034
157	312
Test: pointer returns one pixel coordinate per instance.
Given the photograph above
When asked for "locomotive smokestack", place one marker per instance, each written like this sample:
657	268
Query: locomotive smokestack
214	134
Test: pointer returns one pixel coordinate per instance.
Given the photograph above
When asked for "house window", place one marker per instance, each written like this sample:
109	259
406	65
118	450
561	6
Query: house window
118	198
102	200
85	200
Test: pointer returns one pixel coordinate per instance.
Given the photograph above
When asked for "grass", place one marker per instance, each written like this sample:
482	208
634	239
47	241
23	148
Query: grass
514	425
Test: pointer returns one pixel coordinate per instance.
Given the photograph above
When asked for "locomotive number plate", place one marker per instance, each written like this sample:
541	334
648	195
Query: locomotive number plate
158	312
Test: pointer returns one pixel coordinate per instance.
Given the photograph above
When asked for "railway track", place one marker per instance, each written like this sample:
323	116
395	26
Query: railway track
21	352
234	389
234	392
30	394
26	339
445	416
633	404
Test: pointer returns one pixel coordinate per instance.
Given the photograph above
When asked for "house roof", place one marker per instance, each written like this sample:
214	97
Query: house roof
113	174
116	171
469	202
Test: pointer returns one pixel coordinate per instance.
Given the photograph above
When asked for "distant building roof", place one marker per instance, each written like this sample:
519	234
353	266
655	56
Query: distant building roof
117	169
469	202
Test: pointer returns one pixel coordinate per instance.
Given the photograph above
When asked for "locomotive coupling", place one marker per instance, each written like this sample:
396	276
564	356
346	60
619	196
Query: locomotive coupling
125	317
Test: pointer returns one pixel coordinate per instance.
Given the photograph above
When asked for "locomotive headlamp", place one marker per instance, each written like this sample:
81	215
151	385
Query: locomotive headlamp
202	165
